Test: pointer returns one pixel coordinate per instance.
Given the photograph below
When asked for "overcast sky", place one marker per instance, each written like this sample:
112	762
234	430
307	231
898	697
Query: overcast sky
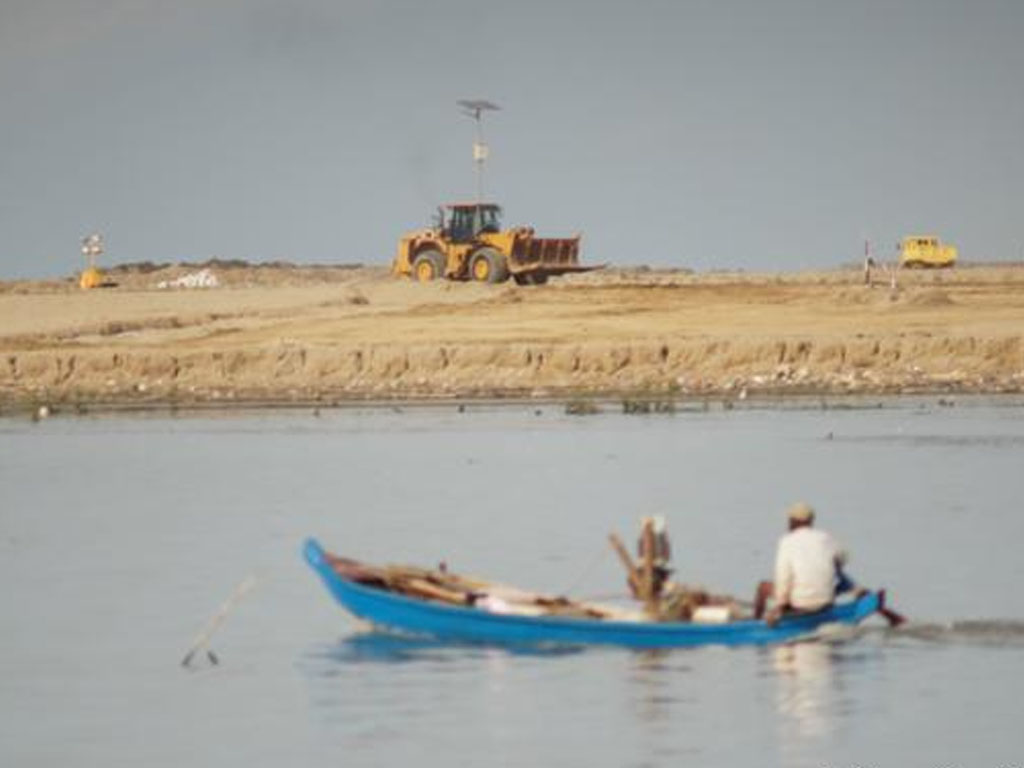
755	135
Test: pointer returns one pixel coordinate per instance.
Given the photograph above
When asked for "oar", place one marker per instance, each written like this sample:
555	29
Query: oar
845	583
632	572
204	637
894	618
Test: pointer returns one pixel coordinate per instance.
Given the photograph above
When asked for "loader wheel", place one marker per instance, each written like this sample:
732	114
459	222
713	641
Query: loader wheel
488	266
427	266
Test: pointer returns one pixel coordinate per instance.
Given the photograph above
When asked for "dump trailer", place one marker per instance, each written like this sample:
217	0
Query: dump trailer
926	251
468	243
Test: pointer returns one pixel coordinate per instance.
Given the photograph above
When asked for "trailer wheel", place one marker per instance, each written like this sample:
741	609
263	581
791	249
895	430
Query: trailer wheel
488	266
531	278
427	266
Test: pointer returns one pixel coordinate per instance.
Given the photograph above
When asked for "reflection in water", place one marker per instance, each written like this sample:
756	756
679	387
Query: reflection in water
807	687
377	647
394	648
423	684
1001	442
814	699
391	648
652	675
664	704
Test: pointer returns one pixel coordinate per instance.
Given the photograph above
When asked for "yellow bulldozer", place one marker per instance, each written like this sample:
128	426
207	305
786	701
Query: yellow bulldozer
927	251
468	243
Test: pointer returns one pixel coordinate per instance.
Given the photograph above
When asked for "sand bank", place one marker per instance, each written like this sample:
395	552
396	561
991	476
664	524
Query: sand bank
278	334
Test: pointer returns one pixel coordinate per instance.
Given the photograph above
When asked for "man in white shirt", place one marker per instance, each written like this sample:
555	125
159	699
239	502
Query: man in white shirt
807	569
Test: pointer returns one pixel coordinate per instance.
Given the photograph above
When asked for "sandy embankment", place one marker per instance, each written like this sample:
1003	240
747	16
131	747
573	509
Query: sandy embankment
274	334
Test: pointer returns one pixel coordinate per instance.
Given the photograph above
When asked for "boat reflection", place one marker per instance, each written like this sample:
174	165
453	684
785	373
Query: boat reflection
808	690
655	677
391	648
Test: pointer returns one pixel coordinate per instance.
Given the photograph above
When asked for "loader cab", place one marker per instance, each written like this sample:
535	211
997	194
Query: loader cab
465	222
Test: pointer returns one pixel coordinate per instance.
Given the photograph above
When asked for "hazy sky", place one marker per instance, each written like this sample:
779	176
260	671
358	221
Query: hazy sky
757	135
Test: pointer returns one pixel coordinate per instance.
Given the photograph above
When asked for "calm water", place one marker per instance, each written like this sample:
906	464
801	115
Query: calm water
120	537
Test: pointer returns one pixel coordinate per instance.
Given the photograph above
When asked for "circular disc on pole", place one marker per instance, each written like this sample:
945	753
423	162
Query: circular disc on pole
474	107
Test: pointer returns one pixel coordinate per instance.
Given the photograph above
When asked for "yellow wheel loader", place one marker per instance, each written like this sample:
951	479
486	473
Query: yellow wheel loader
468	243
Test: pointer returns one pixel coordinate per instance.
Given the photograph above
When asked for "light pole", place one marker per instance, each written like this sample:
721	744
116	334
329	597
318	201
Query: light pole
475	108
92	246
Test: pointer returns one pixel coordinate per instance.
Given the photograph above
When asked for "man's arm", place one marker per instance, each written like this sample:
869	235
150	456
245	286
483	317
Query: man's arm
843	582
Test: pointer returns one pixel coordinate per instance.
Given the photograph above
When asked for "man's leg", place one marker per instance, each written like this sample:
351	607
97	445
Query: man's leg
761	596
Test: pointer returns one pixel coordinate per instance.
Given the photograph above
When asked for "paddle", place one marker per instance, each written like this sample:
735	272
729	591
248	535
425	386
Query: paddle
845	584
894	618
632	572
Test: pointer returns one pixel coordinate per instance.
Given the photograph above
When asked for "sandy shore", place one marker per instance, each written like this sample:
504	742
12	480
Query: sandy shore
330	334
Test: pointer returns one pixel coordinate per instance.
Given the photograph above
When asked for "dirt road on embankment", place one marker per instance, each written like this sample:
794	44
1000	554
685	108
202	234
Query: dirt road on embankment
280	334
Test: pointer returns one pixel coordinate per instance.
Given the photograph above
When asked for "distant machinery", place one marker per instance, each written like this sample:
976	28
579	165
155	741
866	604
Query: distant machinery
468	242
91	277
926	251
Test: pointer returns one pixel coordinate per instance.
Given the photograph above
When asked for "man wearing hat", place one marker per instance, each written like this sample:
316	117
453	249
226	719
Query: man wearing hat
808	573
661	551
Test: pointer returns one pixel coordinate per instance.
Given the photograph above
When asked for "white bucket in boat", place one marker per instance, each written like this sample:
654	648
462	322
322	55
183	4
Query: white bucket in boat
712	614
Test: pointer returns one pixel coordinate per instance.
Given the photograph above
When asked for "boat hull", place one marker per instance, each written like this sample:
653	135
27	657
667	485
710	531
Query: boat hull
467	624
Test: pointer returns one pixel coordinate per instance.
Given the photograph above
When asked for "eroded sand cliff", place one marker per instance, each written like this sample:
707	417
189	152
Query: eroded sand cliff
279	334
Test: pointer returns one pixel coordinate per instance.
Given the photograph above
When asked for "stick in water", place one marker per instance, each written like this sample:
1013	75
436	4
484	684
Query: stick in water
204	637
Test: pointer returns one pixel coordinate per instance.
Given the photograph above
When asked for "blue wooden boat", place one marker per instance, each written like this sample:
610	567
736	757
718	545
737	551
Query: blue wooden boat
389	610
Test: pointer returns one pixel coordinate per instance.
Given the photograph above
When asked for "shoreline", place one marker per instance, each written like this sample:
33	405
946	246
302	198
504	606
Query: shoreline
271	336
587	405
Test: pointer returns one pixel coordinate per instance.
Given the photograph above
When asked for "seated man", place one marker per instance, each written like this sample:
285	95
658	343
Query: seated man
661	550
808	573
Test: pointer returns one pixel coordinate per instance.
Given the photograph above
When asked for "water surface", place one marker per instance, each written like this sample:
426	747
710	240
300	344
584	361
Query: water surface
120	537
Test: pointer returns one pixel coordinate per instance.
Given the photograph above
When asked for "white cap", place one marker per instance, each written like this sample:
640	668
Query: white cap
801	512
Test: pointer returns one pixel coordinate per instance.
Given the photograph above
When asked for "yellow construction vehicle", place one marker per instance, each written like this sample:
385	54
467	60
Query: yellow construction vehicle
91	277
926	251
468	243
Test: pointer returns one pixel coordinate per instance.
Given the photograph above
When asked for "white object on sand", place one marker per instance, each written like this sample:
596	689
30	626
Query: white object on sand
204	278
